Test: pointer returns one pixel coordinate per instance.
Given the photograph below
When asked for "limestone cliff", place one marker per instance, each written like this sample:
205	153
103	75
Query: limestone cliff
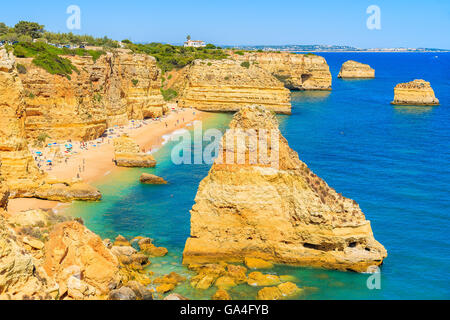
118	86
417	92
353	69
18	168
296	71
19	171
284	213
225	85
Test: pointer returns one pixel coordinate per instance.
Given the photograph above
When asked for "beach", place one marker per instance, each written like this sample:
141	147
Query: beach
94	160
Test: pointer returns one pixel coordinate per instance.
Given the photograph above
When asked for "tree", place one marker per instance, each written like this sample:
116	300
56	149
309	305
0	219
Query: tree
32	29
3	28
188	37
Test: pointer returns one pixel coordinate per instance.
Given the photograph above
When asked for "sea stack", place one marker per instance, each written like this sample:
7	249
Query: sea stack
281	213
417	92
227	86
128	154
356	70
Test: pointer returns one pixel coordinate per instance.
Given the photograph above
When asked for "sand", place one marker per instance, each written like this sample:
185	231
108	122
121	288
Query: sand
96	162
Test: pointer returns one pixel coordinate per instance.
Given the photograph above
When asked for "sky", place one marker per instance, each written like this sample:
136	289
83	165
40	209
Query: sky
404	23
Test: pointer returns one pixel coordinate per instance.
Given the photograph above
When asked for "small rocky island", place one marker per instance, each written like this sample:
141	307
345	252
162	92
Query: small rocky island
147	178
284	215
417	92
128	154
356	70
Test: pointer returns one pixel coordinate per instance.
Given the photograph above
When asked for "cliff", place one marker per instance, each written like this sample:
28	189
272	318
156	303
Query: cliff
281	213
18	168
128	154
118	86
354	69
296	71
417	92
225	85
19	171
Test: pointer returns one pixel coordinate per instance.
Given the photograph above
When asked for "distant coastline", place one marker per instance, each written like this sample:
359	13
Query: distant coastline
329	48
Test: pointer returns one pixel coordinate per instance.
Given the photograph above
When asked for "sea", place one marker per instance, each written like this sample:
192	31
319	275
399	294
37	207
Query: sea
393	160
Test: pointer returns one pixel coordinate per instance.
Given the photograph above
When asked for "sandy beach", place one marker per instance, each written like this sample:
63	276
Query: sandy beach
96	160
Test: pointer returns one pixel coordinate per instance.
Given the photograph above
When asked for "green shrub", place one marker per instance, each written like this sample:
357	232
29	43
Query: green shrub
48	57
135	82
240	52
245	64
54	64
21	68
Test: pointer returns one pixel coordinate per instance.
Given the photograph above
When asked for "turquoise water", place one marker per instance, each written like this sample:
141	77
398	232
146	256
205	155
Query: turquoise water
393	160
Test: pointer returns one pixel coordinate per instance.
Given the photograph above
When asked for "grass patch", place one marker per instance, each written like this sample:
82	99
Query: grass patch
169	94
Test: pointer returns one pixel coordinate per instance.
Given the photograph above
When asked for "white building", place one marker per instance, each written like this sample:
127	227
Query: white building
195	43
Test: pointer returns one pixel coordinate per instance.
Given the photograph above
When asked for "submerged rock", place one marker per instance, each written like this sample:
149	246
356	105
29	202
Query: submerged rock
254	263
289	289
257	279
278	210
147	178
353	70
221	295
417	92
269	293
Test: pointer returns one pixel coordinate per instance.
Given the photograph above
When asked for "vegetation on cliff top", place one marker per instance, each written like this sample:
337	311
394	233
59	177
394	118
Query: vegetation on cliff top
171	57
49	57
25	31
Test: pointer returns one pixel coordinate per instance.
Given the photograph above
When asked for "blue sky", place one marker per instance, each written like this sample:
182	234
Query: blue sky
404	23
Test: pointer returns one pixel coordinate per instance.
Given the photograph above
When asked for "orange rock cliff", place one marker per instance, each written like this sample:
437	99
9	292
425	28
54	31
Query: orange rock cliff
283	214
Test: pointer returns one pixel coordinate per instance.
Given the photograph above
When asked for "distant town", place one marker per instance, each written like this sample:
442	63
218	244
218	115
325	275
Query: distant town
331	48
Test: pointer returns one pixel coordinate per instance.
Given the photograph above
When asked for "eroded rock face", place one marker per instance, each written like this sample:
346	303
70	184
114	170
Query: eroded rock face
118	86
353	70
128	154
226	86
284	215
296	71
18	169
73	251
417	92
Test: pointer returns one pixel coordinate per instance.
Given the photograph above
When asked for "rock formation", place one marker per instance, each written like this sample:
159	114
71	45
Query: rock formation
128	154
147	178
417	92
280	211
353	70
118	86
226	85
296	71
18	167
19	170
75	254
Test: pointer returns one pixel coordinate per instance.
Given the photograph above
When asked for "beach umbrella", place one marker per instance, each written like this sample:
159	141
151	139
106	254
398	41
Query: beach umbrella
49	161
